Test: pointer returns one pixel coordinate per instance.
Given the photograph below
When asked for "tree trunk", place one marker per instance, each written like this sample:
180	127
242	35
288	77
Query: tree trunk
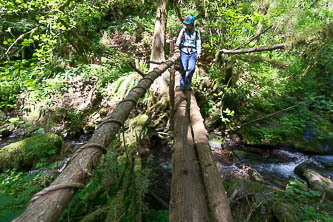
157	53
264	7
216	193
187	202
49	207
176	6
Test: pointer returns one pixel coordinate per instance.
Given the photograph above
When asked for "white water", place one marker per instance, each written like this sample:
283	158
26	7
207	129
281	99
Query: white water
285	169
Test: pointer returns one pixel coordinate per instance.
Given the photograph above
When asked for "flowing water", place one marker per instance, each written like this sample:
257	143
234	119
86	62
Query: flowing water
280	168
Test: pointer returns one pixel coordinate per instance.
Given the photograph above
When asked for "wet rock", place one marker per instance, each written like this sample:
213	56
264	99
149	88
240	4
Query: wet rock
284	211
324	160
24	154
4	132
303	167
243	155
317	178
319	183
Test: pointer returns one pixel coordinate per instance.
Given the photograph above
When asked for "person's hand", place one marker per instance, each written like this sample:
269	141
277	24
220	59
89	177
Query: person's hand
198	56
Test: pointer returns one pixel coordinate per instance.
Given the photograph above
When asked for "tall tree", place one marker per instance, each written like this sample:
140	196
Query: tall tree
158	47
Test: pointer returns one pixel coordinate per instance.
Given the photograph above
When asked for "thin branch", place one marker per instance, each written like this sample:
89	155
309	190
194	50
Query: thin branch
247	42
135	69
269	115
258	49
20	37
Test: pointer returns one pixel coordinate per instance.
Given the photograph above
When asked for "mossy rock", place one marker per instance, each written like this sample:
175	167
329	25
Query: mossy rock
244	155
4	132
303	167
24	154
284	211
317	138
319	183
243	187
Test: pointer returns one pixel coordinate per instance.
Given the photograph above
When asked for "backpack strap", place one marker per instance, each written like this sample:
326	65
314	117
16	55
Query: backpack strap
182	38
196	37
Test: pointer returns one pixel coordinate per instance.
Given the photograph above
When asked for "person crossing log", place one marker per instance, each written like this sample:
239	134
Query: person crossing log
49	206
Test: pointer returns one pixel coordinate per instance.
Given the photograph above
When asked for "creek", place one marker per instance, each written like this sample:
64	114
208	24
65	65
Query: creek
278	165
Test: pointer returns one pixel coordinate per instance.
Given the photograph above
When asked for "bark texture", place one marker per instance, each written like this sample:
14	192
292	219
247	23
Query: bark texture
187	201
216	193
157	51
49	207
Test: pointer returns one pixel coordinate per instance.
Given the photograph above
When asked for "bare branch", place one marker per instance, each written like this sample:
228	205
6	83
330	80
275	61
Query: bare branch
19	38
136	70
255	37
258	49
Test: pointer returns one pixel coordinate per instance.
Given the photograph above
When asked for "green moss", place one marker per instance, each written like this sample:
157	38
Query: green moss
25	153
248	155
284	212
312	146
243	186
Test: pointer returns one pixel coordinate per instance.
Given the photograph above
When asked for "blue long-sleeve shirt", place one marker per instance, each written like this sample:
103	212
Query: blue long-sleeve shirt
191	41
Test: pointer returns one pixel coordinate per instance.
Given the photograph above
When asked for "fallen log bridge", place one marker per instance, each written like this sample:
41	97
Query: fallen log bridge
49	204
193	168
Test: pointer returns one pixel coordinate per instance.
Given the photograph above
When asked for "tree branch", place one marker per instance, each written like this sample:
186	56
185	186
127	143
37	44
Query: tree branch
247	42
258	49
269	115
20	37
136	70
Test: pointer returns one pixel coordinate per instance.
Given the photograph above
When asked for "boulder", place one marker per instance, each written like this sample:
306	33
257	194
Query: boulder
4	132
24	154
326	160
317	178
284	211
319	183
301	168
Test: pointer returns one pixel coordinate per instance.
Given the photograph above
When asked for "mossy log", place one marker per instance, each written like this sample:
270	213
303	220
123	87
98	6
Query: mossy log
187	202
216	193
50	206
24	154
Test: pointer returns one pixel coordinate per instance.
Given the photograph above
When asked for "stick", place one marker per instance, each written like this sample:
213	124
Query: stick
247	42
255	120
258	49
135	69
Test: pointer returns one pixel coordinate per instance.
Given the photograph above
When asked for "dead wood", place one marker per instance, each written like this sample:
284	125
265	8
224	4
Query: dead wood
50	206
258	34
250	50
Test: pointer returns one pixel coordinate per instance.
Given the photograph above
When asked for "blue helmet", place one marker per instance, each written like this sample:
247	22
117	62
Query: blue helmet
189	20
